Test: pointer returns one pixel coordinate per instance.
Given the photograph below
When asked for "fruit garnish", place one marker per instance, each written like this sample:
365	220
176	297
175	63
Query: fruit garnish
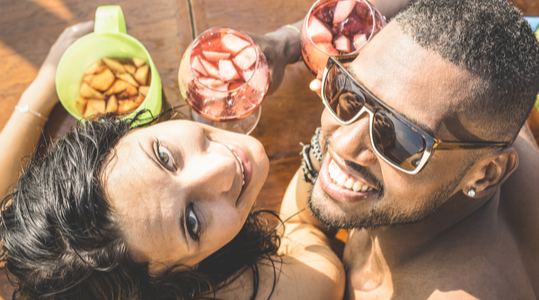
215	56
233	43
227	72
343	10
319	32
342	43
246	58
212	71
327	48
360	39
197	66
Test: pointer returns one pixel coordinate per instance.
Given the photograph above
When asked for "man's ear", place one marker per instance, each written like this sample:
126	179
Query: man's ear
491	172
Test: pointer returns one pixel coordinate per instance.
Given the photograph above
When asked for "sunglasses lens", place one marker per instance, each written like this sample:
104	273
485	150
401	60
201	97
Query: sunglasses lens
396	141
343	97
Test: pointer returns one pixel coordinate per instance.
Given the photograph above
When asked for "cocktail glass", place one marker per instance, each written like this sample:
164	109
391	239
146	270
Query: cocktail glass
224	76
337	27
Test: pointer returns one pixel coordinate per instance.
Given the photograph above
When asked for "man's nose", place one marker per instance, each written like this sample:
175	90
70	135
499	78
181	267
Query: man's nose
351	142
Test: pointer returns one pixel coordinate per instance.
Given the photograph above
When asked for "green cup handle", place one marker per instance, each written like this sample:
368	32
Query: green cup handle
109	18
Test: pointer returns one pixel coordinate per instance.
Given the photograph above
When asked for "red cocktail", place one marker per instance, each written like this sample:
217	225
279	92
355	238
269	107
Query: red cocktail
337	28
224	76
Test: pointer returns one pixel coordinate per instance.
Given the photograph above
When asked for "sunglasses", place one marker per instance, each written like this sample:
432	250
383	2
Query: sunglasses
397	141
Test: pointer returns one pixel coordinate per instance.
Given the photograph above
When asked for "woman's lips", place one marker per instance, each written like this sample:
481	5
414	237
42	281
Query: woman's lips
338	192
245	166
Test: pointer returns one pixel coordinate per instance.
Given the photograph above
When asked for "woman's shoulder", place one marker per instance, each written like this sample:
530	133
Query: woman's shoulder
306	268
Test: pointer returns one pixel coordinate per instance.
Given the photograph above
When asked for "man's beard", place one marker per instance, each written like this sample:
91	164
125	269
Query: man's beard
382	216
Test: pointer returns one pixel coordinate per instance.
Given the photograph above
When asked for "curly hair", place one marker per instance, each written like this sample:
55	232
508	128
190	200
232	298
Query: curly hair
60	240
491	40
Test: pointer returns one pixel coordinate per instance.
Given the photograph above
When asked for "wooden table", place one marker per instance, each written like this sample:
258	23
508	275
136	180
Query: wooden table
166	27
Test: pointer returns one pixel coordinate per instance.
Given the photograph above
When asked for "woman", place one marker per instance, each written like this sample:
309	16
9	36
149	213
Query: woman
158	212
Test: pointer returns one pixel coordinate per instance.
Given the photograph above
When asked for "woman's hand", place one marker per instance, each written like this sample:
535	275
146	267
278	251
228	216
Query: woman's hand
45	80
22	132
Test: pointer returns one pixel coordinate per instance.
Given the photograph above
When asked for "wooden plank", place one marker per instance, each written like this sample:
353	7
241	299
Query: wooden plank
259	16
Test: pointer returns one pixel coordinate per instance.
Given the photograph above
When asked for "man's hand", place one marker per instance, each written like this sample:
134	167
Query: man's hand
281	47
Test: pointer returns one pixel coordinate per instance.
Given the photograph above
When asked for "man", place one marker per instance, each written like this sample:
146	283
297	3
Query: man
459	77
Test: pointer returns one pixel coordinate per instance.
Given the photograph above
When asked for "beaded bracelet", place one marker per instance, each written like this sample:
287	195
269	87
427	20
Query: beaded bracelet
300	58
291	27
309	173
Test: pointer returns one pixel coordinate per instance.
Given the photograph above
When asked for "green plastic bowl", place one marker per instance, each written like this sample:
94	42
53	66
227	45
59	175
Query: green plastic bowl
109	39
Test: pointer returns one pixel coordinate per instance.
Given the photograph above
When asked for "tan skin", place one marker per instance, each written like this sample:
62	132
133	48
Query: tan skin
481	247
193	173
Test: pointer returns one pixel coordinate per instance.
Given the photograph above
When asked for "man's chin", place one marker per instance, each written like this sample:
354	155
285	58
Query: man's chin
334	214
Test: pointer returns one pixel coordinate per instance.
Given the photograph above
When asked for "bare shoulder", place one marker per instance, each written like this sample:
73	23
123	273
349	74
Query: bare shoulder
305	269
519	201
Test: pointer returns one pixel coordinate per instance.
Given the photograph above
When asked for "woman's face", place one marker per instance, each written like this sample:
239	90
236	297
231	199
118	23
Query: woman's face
177	190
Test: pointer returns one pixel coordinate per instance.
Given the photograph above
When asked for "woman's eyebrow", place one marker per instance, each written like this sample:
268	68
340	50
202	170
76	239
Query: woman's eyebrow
150	156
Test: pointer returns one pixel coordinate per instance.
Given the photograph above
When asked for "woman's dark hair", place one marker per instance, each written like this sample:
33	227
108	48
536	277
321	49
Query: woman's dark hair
60	240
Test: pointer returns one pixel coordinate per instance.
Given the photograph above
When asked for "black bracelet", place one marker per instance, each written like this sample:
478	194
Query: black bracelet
315	144
309	173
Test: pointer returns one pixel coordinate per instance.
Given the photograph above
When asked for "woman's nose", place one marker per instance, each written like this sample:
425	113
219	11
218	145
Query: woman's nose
218	169
350	142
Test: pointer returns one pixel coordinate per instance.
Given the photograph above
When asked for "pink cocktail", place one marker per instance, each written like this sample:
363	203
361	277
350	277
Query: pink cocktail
337	28
224	76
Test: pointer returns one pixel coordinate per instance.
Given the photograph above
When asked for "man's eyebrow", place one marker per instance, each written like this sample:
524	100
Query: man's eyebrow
150	156
419	124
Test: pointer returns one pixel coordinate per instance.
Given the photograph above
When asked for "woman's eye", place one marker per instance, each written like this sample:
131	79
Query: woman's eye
165	157
192	224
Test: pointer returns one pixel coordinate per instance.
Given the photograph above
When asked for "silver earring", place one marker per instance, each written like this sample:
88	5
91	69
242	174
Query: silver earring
471	192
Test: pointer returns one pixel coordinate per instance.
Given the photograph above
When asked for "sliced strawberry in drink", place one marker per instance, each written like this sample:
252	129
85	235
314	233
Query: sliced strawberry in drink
212	71
221	87
235	85
247	74
215	56
327	48
352	25
213	109
246	58
360	39
363	12
343	10
234	44
210	82
325	14
227	72
319	32
342	43
197	66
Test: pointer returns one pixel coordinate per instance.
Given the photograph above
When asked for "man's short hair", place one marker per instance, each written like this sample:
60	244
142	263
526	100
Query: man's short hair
492	41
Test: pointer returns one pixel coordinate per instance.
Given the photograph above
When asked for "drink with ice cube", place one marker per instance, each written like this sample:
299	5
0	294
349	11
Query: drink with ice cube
224	76
337	28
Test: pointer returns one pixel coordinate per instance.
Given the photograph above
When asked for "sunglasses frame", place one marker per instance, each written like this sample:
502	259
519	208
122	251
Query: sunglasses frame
431	143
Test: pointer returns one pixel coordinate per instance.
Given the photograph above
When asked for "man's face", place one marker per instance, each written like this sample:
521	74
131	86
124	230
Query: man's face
356	188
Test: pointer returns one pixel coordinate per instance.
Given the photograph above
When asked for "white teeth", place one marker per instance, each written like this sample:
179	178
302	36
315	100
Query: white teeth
343	181
241	167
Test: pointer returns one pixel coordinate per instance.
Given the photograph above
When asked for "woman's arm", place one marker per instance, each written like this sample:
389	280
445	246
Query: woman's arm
21	133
